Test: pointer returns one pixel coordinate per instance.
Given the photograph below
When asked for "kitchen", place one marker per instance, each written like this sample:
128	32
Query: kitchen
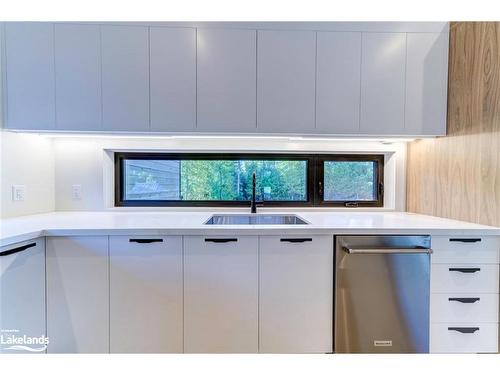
250	187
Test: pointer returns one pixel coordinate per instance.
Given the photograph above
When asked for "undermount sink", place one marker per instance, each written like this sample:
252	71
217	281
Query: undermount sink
256	220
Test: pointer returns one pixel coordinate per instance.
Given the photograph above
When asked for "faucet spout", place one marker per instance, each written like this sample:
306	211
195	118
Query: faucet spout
253	205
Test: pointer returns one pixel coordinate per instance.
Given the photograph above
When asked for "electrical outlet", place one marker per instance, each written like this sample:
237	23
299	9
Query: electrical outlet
76	192
18	192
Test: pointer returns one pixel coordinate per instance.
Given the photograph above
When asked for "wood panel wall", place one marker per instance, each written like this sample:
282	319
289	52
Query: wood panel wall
458	176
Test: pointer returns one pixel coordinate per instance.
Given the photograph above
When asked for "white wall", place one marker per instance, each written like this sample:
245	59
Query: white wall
26	159
88	162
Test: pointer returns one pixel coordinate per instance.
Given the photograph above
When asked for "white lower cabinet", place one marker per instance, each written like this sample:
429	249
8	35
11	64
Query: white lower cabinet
468	278
221	294
77	294
460	307
22	293
296	294
146	294
464	295
470	337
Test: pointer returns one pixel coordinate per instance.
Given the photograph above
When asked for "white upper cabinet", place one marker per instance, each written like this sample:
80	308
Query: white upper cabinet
226	66
125	78
286	66
426	83
338	75
383	83
78	77
173	79
362	79
30	102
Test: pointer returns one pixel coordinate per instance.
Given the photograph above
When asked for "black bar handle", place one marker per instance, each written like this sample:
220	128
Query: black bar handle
464	329
295	240
145	240
221	240
17	249
464	300
468	240
465	270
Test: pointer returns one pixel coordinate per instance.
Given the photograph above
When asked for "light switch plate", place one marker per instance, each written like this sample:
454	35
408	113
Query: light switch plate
76	192
18	192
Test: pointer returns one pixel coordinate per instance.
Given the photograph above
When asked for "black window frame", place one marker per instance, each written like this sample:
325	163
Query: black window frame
314	175
378	186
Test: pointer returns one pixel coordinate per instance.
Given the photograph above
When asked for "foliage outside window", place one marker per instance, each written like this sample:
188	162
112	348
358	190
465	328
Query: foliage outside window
147	179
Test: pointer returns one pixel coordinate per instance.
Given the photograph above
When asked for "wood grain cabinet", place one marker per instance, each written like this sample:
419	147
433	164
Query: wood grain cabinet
221	284
338	76
295	294
78	77
286	66
30	88
77	294
226	71
22	291
172	79
383	83
146	294
125	78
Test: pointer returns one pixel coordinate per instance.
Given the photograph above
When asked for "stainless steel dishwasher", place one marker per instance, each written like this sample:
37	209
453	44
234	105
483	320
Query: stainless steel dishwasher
382	294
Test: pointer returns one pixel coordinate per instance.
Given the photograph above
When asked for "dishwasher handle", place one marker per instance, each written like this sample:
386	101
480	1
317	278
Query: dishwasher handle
409	250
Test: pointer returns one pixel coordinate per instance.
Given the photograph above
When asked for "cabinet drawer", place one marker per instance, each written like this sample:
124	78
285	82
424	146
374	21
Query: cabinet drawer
464	278
484	339
460	307
465	250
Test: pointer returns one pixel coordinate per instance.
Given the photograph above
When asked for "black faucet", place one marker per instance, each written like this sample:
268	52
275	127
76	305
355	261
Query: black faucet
253	206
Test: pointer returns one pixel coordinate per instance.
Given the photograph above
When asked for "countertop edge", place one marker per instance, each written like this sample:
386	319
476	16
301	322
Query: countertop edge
21	237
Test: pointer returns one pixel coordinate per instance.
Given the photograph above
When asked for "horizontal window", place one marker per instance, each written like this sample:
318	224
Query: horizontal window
215	180
154	179
350	180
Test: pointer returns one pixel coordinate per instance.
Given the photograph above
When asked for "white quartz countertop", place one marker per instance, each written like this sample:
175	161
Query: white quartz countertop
184	223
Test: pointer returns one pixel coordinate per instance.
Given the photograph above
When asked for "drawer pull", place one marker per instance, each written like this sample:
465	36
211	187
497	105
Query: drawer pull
466	240
464	329
465	270
296	240
145	240
221	240
464	300
17	249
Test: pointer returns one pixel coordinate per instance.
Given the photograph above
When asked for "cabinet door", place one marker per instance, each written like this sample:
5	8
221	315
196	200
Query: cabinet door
22	293
286	65
338	78
78	77
173	79
146	294
77	294
220	294
295	294
226	80
426	83
383	83
125	78
30	75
